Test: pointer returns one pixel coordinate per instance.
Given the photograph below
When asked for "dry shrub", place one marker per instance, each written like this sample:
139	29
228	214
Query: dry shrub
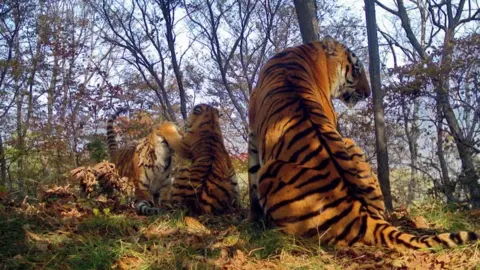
102	178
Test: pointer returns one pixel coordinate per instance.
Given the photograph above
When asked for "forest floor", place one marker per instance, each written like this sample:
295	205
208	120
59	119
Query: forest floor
65	231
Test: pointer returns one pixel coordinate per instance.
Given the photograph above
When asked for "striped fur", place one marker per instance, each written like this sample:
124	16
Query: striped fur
303	176
368	186
209	184
147	208
148	164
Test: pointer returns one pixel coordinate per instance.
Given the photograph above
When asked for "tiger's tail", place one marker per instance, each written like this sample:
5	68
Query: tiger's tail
146	208
378	232
111	134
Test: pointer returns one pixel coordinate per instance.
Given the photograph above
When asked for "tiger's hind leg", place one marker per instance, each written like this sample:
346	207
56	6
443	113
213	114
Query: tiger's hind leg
256	211
186	191
366	183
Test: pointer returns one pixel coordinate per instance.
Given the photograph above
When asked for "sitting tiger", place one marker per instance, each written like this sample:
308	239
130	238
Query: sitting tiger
209	184
303	176
369	191
148	165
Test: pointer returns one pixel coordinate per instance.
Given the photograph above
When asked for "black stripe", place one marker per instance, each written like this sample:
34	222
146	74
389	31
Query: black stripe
332	136
355	155
312	154
323	164
280	55
271	171
346	230
375	230
224	191
292	180
254	169
292	65
390	236
402	242
472	236
455	237
279	148
335	203
328	223
293	158
341	155
299	136
441	241
300	197
313	179
361	231
382	235
285	105
265	194
377	198
293	219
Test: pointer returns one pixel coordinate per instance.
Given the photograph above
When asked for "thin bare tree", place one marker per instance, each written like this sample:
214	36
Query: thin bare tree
378	110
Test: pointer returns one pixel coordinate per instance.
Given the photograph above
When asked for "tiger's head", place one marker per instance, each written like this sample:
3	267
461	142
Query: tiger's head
347	72
203	116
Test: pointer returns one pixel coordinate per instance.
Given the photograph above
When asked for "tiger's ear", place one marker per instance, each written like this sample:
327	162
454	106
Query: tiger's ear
329	45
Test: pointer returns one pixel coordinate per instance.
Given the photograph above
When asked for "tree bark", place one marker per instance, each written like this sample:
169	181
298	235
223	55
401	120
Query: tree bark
378	94
448	188
3	165
412	137
307	19
167	10
53	84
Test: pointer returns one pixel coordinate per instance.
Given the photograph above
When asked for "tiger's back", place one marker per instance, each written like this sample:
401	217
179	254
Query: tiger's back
209	184
303	176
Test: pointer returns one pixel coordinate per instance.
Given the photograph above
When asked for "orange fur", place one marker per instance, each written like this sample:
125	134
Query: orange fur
208	185
147	164
303	176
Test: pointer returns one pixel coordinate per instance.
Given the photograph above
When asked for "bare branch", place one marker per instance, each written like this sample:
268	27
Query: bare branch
387	8
408	30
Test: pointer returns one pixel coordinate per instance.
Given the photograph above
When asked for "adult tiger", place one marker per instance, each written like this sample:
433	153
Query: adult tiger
302	175
369	190
209	184
148	164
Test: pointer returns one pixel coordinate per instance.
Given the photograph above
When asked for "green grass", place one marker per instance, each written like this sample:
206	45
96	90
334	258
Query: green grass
12	236
446	217
43	237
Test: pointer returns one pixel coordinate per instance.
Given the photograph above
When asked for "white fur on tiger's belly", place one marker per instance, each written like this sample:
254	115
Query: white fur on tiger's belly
158	176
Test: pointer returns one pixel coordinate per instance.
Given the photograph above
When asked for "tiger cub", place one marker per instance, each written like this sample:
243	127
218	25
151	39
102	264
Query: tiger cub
209	184
303	176
147	164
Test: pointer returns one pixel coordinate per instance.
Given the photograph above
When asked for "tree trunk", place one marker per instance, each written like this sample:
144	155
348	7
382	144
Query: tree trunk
307	19
412	137
468	176
381	139
448	187
3	165
20	141
51	88
169	24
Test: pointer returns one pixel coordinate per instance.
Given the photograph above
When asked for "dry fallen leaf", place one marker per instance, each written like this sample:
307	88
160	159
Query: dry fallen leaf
420	222
195	226
31	236
399	262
